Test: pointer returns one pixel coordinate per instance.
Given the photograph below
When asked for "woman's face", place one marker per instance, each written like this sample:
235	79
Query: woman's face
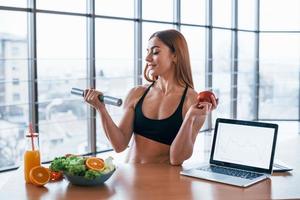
159	59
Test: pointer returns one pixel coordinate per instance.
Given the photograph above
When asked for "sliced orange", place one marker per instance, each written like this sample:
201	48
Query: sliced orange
94	163
39	175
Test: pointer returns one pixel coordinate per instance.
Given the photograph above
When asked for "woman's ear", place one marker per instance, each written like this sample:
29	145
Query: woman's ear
174	59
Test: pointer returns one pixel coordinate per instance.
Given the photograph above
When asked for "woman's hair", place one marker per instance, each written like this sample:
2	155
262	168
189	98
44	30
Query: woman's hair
177	44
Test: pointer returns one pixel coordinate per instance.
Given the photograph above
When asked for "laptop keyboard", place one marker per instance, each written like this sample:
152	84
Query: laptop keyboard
230	172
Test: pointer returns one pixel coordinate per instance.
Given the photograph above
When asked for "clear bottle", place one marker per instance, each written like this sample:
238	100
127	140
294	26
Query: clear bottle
31	155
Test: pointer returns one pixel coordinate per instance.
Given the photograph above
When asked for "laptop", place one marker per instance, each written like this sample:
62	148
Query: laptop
242	153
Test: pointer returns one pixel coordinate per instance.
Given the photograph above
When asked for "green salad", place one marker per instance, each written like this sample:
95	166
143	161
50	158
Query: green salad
77	166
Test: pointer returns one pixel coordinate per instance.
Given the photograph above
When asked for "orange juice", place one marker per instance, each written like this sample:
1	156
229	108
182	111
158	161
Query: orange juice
31	159
32	153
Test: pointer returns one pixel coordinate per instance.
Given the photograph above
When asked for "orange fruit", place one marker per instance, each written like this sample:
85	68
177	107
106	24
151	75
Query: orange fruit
39	175
94	163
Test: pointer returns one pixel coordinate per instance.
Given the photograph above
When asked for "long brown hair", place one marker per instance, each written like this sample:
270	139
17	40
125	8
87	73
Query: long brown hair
177	44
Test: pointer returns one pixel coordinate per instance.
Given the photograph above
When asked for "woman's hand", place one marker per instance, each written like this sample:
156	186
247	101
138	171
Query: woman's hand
199	110
214	101
91	97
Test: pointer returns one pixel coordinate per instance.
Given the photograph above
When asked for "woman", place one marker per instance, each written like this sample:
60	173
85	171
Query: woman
163	117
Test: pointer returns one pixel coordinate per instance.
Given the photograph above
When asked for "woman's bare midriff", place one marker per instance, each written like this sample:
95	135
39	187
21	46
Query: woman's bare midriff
144	150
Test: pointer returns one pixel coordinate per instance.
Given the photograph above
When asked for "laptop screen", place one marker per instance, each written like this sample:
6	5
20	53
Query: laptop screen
244	143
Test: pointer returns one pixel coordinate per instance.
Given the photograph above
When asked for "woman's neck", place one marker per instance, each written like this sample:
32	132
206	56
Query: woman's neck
167	85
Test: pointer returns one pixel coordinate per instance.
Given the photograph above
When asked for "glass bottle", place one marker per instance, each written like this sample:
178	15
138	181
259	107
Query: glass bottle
31	155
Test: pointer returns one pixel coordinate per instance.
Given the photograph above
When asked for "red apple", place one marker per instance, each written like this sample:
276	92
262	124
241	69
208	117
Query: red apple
205	96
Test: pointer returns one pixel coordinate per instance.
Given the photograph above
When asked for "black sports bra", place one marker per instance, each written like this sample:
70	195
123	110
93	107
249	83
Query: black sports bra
164	130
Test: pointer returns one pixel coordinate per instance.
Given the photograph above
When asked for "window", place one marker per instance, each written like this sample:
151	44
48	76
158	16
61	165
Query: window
247	14
61	64
280	15
114	67
222	13
16	81
62	5
14	3
16	97
279	76
246	96
193	11
118	8
158	10
15	51
2	88
222	71
13	98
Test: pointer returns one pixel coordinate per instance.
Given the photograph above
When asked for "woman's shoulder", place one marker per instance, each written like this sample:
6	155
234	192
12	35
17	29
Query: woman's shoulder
135	93
138	90
190	99
191	96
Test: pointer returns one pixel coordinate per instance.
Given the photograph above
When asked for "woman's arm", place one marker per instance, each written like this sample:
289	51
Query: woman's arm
119	136
182	146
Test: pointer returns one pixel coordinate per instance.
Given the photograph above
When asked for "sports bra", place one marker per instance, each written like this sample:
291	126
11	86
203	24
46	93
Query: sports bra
163	130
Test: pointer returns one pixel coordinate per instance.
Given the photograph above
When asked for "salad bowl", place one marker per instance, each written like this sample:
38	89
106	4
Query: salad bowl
82	181
84	171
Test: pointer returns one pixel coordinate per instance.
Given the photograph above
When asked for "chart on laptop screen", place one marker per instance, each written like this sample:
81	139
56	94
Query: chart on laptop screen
244	145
